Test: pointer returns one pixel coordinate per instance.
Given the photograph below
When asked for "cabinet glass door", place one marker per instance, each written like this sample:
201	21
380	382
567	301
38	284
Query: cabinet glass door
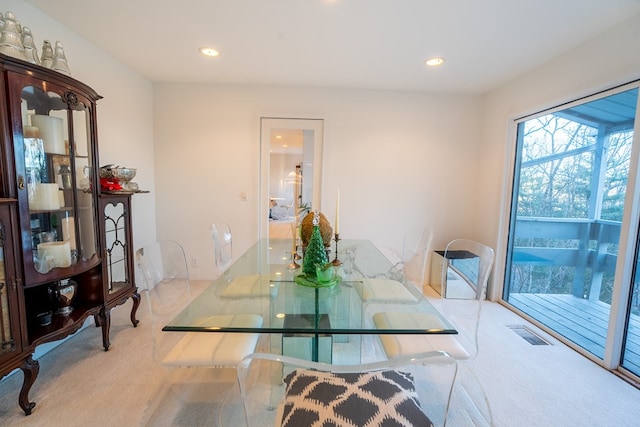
7	337
116	246
57	164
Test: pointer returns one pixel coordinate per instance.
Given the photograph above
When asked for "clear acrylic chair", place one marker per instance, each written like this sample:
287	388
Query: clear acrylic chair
230	285
415	251
411	268
166	278
222	245
466	269
167	291
281	390
465	272
412	260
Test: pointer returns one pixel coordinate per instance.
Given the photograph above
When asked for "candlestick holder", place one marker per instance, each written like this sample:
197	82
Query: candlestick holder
336	262
296	255
293	265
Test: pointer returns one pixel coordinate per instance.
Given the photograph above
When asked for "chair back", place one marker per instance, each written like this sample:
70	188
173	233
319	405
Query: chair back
162	261
466	269
272	393
222	245
415	249
165	271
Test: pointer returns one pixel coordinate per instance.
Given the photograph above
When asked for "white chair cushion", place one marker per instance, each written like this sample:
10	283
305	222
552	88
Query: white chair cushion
397	345
385	290
215	348
247	286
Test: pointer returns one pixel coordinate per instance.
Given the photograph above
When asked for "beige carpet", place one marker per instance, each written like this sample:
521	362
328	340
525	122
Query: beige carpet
547	385
81	385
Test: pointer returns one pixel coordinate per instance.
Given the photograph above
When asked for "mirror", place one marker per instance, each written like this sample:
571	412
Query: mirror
291	172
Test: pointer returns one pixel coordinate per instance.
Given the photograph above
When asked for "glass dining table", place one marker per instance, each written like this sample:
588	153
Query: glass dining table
326	324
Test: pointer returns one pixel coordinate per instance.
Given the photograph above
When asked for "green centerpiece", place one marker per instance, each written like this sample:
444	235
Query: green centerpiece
315	253
315	256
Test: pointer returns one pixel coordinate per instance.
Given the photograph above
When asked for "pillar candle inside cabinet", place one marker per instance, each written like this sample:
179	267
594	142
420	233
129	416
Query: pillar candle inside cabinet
46	197
51	132
58	252
69	232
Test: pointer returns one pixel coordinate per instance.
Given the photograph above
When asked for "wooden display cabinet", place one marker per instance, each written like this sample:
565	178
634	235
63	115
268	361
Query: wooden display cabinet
52	232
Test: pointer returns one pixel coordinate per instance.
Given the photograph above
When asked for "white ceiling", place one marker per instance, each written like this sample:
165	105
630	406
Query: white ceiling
379	44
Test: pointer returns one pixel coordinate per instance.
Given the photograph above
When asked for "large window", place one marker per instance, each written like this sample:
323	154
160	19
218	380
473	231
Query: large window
568	205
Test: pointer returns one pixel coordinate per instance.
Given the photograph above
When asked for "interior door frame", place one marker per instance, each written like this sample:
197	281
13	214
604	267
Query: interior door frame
266	125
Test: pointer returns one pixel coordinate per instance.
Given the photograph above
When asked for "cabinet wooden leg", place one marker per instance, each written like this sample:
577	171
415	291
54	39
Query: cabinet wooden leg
30	369
136	302
105	322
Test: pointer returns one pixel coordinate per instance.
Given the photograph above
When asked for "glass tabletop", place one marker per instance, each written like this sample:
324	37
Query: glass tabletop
261	285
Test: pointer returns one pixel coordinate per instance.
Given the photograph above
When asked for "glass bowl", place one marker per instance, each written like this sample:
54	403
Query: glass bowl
119	174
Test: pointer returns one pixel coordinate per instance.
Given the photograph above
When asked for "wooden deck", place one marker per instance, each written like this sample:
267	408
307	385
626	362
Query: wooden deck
581	321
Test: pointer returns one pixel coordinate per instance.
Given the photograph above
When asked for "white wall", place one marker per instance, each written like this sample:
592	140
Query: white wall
125	114
604	62
398	158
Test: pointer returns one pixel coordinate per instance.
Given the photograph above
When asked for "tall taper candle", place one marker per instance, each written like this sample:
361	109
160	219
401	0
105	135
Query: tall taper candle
337	230
69	232
293	236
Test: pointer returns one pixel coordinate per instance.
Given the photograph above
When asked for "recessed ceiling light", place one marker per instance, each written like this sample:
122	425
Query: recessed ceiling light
435	61
208	51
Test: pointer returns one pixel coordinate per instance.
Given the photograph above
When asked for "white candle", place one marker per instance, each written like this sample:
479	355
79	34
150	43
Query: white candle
293	236
296	196
51	131
46	197
337	230
25	112
58	253
69	232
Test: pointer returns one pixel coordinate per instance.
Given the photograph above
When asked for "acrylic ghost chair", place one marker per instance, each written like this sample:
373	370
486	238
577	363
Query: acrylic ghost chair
415	251
235	286
411	269
222	245
281	390
466	269
465	273
167	291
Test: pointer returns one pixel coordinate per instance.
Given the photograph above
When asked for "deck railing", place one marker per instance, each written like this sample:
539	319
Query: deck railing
588	245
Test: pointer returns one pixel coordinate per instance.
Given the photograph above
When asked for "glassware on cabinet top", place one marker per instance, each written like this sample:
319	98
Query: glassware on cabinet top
60	60
10	38
30	51
47	54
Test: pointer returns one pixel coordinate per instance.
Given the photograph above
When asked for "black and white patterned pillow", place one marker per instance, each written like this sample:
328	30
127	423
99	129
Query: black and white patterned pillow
380	399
